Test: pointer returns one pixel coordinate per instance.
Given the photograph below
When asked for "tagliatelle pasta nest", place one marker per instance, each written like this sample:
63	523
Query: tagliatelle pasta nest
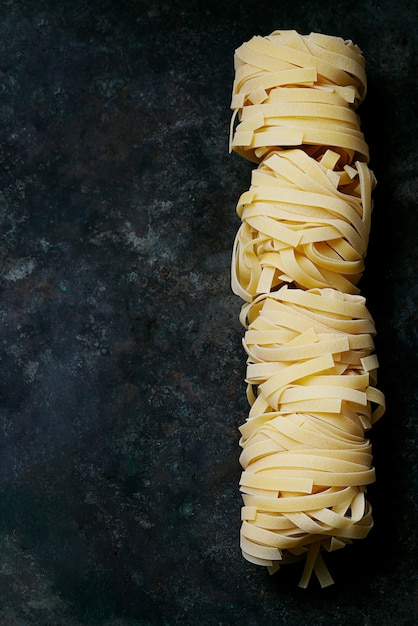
310	374
303	221
298	256
291	89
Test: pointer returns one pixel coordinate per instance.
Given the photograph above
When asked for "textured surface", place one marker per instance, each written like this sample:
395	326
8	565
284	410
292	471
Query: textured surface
121	372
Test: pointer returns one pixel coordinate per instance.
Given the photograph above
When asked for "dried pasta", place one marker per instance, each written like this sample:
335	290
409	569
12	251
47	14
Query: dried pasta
310	373
291	89
297	259
303	222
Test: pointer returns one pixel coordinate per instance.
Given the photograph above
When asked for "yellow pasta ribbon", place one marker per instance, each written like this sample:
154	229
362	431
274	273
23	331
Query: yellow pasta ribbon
285	61
302	226
305	456
296	262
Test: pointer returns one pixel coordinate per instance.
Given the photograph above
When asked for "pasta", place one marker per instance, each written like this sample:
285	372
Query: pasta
297	258
291	89
310	374
303	222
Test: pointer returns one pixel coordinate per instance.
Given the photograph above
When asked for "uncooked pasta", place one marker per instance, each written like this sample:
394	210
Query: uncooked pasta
303	222
297	259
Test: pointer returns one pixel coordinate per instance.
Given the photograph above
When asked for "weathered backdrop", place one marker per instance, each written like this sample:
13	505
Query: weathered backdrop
121	372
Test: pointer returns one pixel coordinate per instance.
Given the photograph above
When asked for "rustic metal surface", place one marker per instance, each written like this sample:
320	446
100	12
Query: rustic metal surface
121	372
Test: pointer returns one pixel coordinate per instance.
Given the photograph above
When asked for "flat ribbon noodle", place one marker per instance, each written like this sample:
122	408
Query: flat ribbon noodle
297	259
266	68
301	225
304	455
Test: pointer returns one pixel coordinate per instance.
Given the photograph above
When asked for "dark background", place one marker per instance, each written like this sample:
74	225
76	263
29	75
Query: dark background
121	372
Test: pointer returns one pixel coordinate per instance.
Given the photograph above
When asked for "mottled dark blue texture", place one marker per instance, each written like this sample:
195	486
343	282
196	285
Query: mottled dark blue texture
121	371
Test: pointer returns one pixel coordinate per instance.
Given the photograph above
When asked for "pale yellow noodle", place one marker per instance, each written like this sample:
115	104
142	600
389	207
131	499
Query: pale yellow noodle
306	460
297	259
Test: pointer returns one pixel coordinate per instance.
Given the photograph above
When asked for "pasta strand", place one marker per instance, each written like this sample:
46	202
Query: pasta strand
297	258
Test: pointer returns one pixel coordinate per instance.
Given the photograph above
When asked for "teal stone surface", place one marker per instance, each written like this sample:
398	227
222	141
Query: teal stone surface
121	364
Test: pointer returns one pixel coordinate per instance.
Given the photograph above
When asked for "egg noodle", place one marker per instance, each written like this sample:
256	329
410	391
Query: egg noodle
297	258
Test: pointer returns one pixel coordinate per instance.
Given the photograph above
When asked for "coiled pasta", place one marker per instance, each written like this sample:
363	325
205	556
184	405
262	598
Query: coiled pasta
303	222
310	373
297	258
291	89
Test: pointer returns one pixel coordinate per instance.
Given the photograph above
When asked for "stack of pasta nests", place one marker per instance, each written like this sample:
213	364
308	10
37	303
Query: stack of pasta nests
298	256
